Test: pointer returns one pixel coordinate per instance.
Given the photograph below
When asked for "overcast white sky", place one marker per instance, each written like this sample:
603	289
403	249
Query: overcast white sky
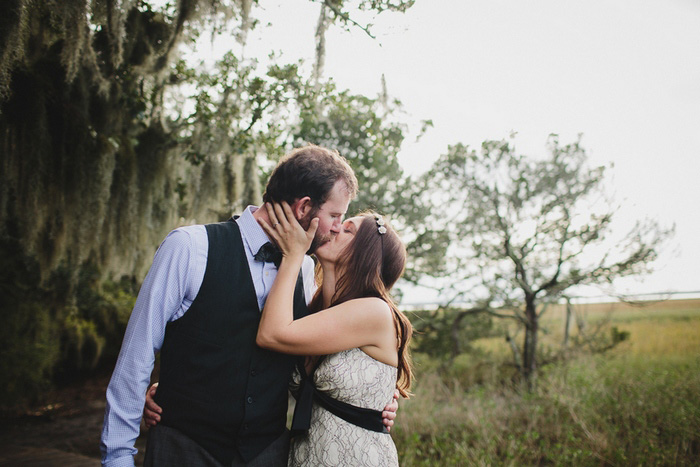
624	73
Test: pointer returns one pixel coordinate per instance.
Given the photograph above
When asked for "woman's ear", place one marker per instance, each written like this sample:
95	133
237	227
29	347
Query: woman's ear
301	207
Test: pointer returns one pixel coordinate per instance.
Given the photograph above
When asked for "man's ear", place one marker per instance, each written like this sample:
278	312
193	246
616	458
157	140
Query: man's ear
301	207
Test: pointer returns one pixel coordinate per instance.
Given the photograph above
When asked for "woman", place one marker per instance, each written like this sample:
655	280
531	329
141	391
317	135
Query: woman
358	329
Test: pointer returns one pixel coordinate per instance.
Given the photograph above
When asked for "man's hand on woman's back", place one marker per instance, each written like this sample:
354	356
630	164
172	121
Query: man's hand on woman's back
389	413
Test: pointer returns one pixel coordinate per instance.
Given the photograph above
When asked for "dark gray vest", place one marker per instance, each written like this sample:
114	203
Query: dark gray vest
216	385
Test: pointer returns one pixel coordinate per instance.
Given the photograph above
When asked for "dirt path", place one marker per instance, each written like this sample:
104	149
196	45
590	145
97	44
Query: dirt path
71	422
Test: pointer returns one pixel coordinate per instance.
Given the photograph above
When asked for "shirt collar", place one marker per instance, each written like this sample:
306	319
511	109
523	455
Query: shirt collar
253	235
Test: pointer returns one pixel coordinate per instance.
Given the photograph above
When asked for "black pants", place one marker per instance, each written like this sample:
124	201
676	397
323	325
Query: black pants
168	447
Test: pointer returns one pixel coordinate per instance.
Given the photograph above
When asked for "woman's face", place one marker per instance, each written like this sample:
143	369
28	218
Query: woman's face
330	251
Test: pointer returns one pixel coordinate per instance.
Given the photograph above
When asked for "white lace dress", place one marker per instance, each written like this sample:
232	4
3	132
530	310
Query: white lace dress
353	377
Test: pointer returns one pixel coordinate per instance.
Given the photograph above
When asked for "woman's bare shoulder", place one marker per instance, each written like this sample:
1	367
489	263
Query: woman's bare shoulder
371	303
372	308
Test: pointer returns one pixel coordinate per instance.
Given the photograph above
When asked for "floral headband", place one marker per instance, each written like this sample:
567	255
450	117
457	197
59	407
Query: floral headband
380	224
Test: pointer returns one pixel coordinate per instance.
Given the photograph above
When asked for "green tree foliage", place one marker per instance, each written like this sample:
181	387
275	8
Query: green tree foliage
448	332
364	131
108	140
523	230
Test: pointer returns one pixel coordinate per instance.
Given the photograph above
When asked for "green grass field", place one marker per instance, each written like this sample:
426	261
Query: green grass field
638	404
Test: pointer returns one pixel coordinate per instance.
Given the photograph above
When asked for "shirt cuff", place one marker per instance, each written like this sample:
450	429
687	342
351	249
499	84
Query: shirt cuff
124	461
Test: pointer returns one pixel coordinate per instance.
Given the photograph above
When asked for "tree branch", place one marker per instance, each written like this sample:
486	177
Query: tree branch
347	18
514	316
560	259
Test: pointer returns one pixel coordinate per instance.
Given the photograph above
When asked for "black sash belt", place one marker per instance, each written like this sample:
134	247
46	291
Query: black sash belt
368	419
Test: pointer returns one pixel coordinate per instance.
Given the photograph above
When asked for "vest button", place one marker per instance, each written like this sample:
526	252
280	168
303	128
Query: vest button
249	400
245	427
253	372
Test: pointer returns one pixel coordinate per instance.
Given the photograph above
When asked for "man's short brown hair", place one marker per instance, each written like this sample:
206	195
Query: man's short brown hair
309	171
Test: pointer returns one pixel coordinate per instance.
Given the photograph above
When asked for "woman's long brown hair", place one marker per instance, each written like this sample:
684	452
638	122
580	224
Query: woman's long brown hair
369	267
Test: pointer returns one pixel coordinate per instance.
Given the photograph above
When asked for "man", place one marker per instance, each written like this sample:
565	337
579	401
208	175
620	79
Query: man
224	400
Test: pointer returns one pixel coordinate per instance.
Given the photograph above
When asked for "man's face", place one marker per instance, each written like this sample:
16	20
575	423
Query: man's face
330	215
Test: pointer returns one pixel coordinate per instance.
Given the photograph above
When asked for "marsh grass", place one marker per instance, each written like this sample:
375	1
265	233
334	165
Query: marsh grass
636	405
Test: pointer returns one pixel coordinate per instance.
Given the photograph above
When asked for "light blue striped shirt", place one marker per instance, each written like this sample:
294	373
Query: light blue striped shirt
167	292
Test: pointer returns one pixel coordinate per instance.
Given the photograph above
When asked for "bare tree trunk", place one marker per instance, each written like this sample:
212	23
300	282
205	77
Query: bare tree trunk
567	323
530	344
516	354
454	335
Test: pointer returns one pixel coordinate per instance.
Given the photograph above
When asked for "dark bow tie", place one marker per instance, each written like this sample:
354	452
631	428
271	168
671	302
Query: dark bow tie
269	253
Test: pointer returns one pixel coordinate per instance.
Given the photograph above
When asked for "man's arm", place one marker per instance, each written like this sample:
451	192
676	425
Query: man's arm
160	300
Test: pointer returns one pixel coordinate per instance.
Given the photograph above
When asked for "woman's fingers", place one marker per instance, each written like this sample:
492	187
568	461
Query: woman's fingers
313	226
281	215
150	402
285	229
288	213
150	418
268	230
271	214
284	215
151	411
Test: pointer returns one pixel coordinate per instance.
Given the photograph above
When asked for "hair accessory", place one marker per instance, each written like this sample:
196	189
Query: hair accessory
380	224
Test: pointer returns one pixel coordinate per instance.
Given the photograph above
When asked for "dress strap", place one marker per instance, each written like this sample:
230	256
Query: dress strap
368	419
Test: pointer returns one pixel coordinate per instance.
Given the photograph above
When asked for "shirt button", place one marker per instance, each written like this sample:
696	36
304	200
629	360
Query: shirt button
245	426
253	372
250	400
